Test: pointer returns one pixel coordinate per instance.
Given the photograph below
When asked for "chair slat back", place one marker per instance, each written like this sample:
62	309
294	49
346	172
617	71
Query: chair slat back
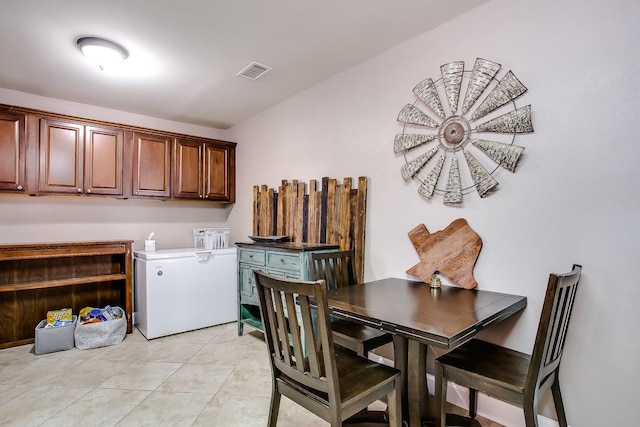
335	268
553	326
299	348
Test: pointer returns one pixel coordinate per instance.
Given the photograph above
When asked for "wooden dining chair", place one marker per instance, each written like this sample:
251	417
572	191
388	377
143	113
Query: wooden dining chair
337	270
331	382
510	375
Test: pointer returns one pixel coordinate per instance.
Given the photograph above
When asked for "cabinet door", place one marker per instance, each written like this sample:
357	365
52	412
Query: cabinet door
12	152
104	150
247	285
188	162
217	173
61	156
151	165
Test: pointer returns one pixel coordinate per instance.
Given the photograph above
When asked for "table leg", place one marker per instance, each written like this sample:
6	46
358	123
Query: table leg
410	358
400	345
417	384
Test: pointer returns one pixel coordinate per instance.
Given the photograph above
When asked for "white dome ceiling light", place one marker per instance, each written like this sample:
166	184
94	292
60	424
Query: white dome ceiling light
104	53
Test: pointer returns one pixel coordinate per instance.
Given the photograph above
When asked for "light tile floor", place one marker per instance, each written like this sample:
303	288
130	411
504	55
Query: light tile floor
209	377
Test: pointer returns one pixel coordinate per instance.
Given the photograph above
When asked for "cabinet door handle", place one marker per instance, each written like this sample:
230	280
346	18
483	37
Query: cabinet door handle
19	187
79	190
89	191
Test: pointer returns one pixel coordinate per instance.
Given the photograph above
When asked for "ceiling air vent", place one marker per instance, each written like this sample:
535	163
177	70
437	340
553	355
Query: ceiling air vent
254	70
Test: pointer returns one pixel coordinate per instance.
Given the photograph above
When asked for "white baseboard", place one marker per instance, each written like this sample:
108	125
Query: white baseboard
488	407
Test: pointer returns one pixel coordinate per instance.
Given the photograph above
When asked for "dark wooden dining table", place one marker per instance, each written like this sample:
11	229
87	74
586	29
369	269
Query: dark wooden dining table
420	316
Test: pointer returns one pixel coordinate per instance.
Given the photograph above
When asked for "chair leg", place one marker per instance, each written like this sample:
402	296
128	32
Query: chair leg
441	396
274	408
530	413
394	405
335	418
557	400
473	402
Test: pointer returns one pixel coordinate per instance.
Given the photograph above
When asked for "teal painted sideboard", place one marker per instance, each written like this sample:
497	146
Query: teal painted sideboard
289	260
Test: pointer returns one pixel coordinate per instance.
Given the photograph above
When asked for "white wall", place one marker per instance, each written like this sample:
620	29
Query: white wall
573	199
59	218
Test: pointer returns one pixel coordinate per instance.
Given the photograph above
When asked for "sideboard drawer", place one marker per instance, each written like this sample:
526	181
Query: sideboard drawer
251	256
283	261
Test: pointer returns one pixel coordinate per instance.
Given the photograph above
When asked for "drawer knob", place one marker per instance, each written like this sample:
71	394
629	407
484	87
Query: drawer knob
282	260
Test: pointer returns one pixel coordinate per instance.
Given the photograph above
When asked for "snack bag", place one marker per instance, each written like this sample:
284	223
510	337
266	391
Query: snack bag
85	315
59	317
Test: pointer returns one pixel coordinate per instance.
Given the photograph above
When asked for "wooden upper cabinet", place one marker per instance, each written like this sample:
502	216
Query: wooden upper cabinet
103	157
12	152
49	153
61	155
81	159
204	170
188	161
219	172
151	165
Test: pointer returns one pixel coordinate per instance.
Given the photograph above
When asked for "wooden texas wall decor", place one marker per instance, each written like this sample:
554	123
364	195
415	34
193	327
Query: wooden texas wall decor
333	213
452	252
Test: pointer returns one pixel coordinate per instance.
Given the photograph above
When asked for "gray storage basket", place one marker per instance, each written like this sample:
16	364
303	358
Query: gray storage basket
57	338
101	334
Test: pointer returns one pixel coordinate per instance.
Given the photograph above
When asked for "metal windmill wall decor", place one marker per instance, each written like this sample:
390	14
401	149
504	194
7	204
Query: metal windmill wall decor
454	150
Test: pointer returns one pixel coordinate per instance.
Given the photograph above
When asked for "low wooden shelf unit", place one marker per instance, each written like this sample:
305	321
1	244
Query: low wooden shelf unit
36	278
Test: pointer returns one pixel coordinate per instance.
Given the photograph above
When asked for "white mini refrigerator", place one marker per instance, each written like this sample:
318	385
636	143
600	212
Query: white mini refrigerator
179	290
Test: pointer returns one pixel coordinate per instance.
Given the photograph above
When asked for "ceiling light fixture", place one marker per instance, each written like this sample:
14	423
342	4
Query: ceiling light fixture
103	53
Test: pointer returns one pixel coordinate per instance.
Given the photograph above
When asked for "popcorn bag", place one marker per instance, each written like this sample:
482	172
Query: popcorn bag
100	327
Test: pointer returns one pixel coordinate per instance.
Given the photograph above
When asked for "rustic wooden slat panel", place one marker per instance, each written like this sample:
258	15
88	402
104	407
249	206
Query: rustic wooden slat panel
299	213
291	209
256	210
344	216
271	220
266	211
331	211
334	213
280	215
292	197
313	214
323	210
359	214
285	193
